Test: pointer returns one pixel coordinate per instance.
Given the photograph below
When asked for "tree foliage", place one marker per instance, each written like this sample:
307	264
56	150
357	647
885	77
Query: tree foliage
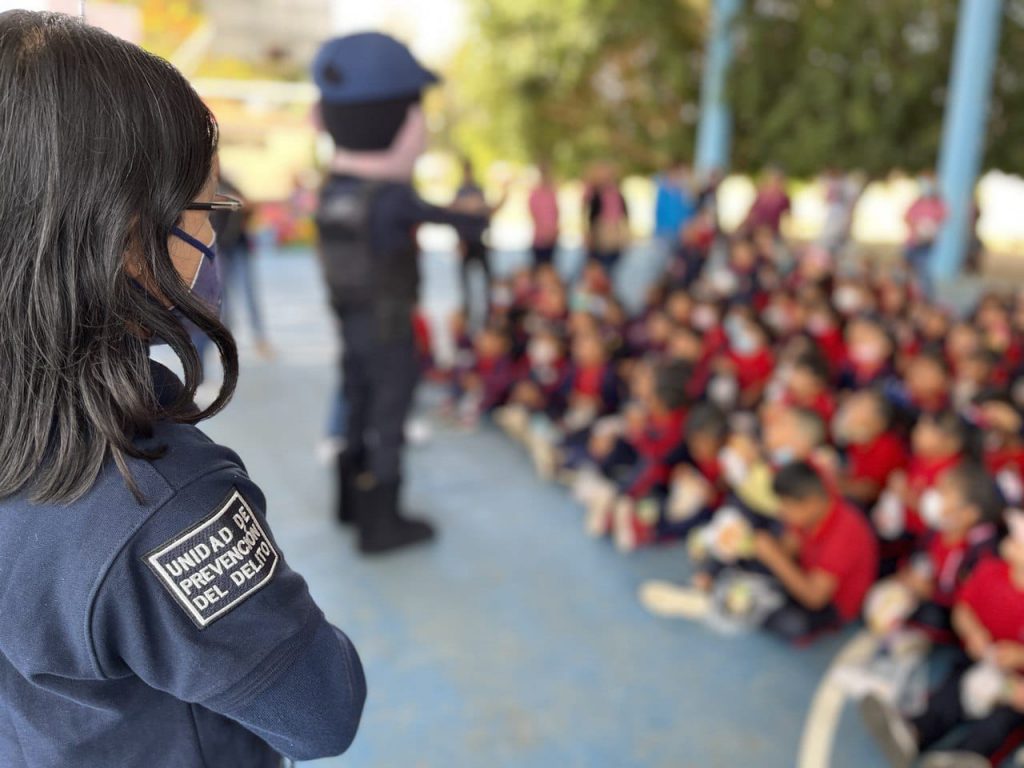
828	82
815	83
576	80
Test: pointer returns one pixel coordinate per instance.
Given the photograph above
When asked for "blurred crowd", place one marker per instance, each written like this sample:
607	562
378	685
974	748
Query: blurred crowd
826	442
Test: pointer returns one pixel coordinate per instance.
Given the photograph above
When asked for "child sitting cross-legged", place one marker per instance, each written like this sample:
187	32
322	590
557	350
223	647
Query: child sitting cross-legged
974	718
810	578
911	610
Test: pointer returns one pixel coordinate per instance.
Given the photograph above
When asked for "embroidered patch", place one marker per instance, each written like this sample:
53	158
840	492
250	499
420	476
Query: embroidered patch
216	564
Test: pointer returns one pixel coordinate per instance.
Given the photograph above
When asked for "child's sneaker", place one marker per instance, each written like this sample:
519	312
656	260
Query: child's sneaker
955	760
890	731
599	511
662	598
631	529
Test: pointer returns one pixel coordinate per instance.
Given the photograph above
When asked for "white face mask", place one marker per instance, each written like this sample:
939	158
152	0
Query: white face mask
933	509
722	391
734	466
542	353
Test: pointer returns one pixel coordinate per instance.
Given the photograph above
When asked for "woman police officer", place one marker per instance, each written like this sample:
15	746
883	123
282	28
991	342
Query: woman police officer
149	617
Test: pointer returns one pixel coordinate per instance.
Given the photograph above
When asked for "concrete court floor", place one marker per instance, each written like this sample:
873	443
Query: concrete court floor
514	640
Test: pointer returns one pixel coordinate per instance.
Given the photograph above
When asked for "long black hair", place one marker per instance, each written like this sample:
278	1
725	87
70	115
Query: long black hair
102	146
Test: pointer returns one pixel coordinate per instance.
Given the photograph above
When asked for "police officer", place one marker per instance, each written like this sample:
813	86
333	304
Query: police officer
149	615
370	88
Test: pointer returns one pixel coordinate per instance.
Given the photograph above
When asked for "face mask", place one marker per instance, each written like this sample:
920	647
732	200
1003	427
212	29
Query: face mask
819	325
703	318
847	300
867	353
743	343
782	456
933	508
206	285
734	467
542	353
722	391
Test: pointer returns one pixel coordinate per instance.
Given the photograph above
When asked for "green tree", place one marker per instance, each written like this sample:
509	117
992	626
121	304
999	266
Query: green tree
829	82
576	80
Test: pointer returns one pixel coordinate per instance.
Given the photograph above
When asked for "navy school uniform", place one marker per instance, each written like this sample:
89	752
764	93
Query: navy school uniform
169	633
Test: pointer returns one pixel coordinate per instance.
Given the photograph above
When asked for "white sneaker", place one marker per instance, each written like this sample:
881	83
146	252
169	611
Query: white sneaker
624	531
668	600
599	511
418	431
328	449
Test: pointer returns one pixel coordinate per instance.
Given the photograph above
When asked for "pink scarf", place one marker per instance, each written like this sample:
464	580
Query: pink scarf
393	164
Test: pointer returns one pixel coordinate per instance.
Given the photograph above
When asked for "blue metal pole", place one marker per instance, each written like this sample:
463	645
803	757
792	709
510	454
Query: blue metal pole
964	126
714	133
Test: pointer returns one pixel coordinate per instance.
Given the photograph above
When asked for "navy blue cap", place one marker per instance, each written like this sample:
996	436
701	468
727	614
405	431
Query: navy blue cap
369	66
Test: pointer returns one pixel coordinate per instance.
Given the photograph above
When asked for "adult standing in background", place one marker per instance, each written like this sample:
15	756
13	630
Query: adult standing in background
234	247
544	214
924	220
770	205
674	207
606	218
470	198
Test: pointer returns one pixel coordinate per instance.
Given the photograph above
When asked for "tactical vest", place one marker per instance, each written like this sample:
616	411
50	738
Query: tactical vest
358	275
346	250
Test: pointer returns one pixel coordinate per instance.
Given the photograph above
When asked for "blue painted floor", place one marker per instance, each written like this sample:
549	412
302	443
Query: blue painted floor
515	640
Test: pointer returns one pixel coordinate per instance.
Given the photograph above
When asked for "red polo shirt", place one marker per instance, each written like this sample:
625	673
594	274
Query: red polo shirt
996	600
877	459
952	561
844	546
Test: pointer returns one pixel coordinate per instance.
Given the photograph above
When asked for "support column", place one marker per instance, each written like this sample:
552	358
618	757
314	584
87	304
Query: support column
964	127
714	132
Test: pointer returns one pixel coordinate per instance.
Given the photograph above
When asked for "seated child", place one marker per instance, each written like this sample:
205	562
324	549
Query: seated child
872	450
697	486
870	350
812	577
538	389
744	370
976	721
925	385
808	386
486	384
913	609
634	462
826	560
938	443
590	390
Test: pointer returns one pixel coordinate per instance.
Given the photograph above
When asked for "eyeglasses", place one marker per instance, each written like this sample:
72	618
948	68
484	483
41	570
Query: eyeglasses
219	203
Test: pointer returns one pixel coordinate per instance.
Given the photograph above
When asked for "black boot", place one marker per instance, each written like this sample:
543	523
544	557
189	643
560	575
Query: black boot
382	528
349	466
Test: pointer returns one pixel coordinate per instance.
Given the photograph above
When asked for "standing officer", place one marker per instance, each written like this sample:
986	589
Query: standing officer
149	615
370	89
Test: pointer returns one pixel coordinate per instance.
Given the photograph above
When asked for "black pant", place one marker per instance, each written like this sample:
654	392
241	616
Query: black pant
379	373
795	623
987	737
475	252
543	254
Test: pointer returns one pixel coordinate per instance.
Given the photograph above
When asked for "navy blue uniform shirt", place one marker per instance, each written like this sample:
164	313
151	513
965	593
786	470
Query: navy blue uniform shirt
164	634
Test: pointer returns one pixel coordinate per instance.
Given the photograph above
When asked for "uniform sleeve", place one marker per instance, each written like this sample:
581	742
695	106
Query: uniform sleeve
202	605
416	211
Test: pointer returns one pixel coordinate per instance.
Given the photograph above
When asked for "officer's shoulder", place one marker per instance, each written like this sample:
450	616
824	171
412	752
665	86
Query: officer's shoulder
186	455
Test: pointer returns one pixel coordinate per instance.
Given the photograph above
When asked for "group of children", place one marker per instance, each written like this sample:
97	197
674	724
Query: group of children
828	444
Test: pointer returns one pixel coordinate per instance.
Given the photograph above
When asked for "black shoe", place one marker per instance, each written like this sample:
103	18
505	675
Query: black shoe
349	466
381	527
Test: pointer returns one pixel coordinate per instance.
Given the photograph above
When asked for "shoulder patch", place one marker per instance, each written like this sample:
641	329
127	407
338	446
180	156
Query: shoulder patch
218	563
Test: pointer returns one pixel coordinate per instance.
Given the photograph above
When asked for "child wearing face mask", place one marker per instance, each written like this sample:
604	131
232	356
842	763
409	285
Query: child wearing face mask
913	609
871	449
537	389
977	713
748	363
486	385
938	443
869	354
634	463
